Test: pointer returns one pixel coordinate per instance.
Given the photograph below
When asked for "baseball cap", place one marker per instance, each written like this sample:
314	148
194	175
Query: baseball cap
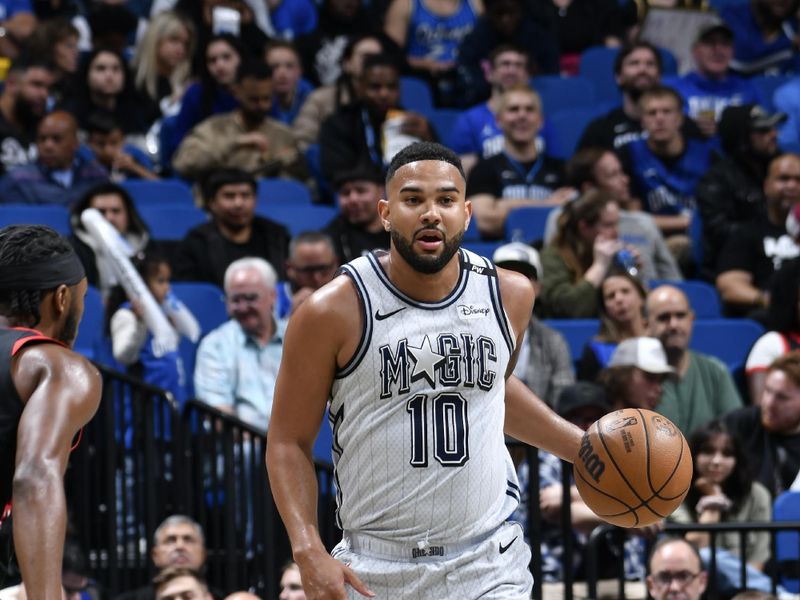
712	27
361	172
519	257
644	352
793	221
750	116
580	395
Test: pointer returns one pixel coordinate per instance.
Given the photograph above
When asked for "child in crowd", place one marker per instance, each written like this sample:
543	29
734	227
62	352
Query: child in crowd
106	142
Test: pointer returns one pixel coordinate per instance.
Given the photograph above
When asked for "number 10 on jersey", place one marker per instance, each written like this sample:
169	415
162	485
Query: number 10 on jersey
448	414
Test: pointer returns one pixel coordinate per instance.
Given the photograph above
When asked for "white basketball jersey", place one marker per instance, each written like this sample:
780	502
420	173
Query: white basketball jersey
417	414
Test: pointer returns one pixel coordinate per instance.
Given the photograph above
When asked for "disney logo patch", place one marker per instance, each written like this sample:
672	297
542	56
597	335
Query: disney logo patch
472	311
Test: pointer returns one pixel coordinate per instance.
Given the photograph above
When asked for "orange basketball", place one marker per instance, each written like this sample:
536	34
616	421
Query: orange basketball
633	468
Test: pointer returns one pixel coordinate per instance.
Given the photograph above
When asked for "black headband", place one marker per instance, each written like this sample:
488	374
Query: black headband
45	275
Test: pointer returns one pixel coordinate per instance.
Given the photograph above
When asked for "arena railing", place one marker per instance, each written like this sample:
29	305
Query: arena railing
141	460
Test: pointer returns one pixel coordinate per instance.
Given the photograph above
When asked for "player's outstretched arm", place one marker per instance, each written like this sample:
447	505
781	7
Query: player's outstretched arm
318	337
61	391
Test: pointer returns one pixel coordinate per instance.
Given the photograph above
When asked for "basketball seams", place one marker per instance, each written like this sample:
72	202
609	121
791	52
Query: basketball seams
614	462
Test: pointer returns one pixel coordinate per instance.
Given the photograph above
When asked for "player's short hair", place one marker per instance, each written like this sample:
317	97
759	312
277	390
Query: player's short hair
671	539
172	573
310	237
629	49
423	151
789	363
24	245
267	272
179	520
222	177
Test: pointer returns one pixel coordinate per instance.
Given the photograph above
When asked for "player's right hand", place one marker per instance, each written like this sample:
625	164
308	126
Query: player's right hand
325	578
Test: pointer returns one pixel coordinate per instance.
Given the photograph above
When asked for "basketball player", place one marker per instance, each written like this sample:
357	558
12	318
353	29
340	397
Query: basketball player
413	348
47	393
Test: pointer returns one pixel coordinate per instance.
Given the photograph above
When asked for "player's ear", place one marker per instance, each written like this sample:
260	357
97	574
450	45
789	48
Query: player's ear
383	212
62	299
468	212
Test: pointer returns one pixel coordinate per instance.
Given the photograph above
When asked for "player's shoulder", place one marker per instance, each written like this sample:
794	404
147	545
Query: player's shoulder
514	286
38	362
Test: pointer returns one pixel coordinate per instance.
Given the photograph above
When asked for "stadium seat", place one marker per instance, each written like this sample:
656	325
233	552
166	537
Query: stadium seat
91	330
443	120
597	65
171	222
577	332
282	191
563	93
526	223
482	248
415	95
298	219
472	234
161	192
767	84
787	549
567	128
56	217
730	340
703	297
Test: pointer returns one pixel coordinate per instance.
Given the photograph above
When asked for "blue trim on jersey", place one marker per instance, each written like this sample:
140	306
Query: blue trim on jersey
459	288
497	305
366	333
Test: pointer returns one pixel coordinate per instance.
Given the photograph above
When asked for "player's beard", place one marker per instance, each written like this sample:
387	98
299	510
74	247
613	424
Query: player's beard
69	331
427	264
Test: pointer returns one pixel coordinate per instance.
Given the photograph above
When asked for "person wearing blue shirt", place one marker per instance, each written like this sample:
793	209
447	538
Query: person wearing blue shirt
764	34
237	363
710	88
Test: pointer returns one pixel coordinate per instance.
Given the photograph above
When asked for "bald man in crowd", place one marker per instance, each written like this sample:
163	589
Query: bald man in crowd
59	175
676	571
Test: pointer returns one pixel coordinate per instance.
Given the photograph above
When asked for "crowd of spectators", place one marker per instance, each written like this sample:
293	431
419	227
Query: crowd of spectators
685	176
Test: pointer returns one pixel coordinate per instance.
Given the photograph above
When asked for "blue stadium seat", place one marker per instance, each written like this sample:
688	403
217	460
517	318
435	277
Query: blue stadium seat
567	127
730	340
482	248
207	303
767	84
787	550
282	191
597	65
300	218
562	93
415	95
161	192
472	234
577	332
526	223
91	331
703	297
171	222
56	217
443	120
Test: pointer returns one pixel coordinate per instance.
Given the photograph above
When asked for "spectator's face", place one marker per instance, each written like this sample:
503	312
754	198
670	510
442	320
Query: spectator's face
713	54
255	98
74	584
32	94
106	76
505	16
353	65
622	301
179	545
609	175
222	60
66	54
509	69
106	146
645	389
676	573
250	301
182	588
234	205
358	201
520	117
716	459
639	71
158	282
782	185
780	404
764	142
112	207
661	118
286	72
291	585
312	265
670	318
173	50
606	227
381	89
57	142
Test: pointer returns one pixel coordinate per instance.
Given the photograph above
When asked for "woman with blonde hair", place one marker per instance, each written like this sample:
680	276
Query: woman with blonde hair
163	63
578	259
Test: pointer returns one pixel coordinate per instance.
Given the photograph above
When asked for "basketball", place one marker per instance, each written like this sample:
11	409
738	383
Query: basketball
634	467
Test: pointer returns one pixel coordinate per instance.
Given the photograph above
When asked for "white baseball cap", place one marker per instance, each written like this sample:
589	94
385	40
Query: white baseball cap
519	257
647	353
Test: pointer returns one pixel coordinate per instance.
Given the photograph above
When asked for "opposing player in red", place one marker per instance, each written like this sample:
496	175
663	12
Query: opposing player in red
414	348
47	393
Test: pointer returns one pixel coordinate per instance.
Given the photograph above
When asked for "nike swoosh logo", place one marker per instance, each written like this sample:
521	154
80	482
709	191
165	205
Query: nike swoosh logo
381	316
507	546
